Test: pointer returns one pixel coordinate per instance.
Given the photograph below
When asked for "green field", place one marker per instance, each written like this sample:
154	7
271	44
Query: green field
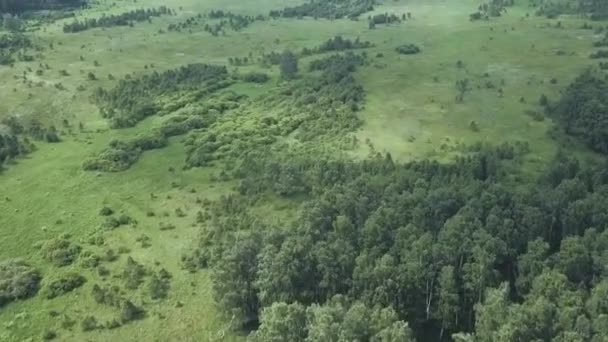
409	111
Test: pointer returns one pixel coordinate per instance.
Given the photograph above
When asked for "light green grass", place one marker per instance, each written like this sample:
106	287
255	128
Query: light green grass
407	113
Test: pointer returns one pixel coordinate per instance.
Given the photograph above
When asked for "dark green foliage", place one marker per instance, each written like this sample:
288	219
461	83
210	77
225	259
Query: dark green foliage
236	22
89	323
59	251
130	312
19	6
12	146
289	65
255	77
18	280
408	49
121	155
13	45
599	54
424	239
107	295
123	19
132	100
329	9
49	335
106	211
383	18
581	111
596	9
317	106
159	285
338	43
63	285
133	274
492	8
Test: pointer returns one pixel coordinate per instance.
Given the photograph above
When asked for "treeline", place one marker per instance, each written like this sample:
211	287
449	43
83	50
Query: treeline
330	9
335	44
19	6
15	46
123	19
595	9
463	247
133	99
236	22
492	8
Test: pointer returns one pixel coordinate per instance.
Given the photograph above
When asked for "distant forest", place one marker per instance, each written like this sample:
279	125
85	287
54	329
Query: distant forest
19	6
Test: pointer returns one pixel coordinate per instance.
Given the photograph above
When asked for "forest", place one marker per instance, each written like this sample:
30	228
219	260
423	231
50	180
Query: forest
19	6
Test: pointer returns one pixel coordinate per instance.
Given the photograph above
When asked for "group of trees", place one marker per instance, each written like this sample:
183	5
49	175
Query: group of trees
336	44
595	9
310	108
123	19
14	46
581	111
134	99
461	247
492	8
330	9
236	22
121	155
386	18
19	6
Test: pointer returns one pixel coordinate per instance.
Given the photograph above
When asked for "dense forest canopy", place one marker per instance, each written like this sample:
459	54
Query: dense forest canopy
19	6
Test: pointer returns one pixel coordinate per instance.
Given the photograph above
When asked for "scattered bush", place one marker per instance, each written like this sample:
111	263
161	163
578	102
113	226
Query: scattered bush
18	280
106	211
408	49
59	251
63	285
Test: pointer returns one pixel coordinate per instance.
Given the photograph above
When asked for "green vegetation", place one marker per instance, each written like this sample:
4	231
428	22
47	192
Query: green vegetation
18	280
331	9
63	285
295	170
18	6
123	19
132	100
408	49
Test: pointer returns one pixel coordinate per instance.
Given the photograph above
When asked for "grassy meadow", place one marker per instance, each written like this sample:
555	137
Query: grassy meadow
410	111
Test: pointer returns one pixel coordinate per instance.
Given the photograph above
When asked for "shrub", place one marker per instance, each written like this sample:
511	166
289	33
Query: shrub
130	312
65	284
89	323
60	251
133	274
18	280
255	77
106	211
408	49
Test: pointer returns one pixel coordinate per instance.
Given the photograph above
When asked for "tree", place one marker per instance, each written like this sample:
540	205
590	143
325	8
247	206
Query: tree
234	276
289	65
281	322
448	300
462	86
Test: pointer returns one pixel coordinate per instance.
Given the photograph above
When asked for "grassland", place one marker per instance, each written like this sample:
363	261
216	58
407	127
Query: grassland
410	112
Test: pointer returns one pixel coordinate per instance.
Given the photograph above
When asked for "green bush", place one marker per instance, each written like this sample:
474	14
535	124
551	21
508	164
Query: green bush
63	285
59	251
408	49
18	280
